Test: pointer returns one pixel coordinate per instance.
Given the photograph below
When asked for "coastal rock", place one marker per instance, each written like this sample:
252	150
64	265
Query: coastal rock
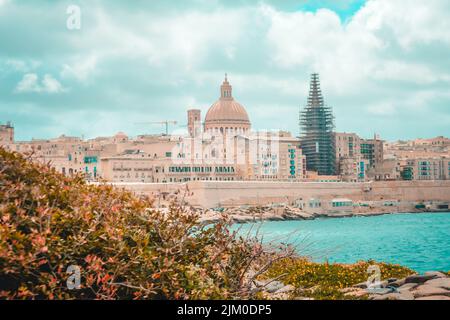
350	289
391	280
419	278
282	294
246	214
395	296
285	289
354	292
272	287
440	283
407	286
427	290
379	291
382	284
405	295
362	285
389	296
437	274
434	298
398	283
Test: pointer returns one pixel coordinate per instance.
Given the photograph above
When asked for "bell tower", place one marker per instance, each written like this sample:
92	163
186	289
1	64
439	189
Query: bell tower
194	122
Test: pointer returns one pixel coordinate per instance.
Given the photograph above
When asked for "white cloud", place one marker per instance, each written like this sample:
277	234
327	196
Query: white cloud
321	42
51	85
30	83
385	45
386	60
81	68
22	65
182	40
17	65
409	22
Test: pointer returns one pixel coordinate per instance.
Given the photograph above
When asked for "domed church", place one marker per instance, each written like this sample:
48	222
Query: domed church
227	116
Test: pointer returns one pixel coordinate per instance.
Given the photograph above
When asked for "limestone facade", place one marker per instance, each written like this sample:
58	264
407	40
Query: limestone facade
6	134
357	159
391	196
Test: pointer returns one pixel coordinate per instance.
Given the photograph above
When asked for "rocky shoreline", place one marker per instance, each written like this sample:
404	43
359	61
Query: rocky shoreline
431	285
258	214
428	286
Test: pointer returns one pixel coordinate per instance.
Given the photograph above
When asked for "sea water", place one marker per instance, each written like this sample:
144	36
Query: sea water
418	241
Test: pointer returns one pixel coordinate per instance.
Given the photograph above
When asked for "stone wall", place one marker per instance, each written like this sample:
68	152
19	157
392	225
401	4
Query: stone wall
209	194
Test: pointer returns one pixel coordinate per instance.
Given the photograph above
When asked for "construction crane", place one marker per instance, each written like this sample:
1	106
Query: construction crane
166	123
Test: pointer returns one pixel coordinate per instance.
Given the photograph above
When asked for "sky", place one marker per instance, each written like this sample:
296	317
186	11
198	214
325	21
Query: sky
384	65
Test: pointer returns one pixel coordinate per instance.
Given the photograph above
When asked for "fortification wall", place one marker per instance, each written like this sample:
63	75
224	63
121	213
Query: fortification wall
210	194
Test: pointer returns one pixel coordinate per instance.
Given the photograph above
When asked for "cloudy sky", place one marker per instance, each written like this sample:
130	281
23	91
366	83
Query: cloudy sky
384	64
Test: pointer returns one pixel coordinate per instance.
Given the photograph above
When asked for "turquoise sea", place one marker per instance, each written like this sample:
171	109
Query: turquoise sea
419	241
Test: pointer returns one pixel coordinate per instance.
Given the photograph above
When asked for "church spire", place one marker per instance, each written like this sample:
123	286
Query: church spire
226	90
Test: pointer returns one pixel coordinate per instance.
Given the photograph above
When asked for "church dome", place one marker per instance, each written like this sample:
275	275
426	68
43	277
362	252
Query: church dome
120	137
227	113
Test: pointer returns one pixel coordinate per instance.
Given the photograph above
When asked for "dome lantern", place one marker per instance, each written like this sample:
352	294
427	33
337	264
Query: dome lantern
226	89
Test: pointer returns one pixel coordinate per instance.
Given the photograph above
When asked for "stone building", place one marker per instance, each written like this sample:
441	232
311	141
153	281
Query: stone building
6	134
358	159
426	169
194	122
388	170
223	148
372	150
227	116
420	159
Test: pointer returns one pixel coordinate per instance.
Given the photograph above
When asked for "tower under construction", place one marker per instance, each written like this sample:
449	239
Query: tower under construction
316	132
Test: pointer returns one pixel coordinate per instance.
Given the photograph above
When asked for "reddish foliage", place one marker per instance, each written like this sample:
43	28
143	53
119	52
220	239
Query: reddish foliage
124	249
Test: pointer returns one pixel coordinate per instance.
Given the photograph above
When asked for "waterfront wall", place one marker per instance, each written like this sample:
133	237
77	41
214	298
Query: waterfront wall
210	194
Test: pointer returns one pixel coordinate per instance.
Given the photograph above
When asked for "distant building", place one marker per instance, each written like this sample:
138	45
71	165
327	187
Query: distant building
316	127
420	159
6	134
225	150
372	150
427	169
227	116
194	122
388	170
419	148
350	165
359	159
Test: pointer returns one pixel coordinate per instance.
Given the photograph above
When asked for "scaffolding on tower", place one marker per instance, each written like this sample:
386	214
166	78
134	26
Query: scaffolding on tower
316	123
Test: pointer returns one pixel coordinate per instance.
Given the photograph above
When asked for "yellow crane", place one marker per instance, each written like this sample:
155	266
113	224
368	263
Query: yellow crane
166	123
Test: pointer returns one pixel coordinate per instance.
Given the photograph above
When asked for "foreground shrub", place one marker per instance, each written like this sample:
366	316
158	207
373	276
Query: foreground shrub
324	280
124	250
